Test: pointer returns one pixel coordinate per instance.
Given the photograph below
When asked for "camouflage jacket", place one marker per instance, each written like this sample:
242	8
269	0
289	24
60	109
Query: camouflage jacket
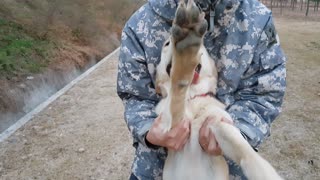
248	56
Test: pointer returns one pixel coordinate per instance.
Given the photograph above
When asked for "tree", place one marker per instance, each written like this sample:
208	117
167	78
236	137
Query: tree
307	11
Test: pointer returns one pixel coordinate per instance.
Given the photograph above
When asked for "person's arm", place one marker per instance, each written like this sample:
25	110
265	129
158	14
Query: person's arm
134	87
260	94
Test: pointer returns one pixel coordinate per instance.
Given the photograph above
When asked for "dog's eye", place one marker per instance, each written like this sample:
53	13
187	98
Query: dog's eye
168	69
167	43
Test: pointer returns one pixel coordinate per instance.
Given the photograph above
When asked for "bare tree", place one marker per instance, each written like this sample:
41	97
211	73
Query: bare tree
316	5
307	11
293	4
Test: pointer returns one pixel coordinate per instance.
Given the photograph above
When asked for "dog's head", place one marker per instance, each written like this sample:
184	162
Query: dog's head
164	69
206	69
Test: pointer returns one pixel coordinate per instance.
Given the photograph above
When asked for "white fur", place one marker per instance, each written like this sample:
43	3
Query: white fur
192	163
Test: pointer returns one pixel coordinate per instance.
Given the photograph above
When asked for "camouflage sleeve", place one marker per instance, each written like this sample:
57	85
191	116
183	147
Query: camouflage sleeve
134	87
261	89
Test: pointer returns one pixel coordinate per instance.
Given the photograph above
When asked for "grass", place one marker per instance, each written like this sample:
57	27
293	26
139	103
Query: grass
21	53
25	49
315	45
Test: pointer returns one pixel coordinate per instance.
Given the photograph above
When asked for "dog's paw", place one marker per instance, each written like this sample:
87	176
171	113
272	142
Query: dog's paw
189	25
220	117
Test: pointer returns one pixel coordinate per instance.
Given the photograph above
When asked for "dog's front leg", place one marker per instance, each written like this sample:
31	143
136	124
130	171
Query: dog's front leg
234	146
188	29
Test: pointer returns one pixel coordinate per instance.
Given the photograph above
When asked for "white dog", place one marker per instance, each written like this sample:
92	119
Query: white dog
187	80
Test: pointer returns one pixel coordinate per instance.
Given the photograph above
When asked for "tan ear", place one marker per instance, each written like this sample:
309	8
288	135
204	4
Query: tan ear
158	89
162	88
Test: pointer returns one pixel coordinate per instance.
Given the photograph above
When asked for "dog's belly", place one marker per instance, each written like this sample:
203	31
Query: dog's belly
192	163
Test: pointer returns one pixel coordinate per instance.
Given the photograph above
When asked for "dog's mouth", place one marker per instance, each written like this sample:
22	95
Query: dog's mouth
168	69
195	74
195	78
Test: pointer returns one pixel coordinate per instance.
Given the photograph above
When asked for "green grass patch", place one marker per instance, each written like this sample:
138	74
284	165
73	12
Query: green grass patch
20	53
315	44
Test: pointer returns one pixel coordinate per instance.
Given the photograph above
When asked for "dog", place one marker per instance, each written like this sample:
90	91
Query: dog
186	78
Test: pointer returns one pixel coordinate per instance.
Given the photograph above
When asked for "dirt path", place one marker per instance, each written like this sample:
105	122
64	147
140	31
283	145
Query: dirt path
294	146
82	135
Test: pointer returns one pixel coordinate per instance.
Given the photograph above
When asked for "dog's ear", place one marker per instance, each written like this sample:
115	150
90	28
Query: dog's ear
162	88
164	68
158	89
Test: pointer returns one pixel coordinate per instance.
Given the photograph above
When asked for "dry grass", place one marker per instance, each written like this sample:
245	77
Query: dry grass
50	40
81	21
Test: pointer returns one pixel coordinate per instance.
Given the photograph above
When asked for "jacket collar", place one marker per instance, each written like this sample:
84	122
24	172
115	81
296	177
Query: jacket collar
164	8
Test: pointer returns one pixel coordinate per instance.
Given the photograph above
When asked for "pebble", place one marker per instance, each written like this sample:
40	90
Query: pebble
36	128
30	77
26	142
24	157
23	86
81	150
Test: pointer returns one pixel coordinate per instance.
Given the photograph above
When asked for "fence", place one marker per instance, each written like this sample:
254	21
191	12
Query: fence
302	7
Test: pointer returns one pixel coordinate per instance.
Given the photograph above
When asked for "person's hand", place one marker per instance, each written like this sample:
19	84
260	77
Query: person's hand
174	139
207	139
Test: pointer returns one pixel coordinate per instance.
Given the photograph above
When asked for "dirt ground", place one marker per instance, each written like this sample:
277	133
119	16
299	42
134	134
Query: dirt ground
294	146
82	135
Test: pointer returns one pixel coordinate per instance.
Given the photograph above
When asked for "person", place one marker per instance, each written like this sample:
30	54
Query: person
251	77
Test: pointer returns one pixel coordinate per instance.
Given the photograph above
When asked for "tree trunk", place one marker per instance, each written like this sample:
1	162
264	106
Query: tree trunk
292	4
307	11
